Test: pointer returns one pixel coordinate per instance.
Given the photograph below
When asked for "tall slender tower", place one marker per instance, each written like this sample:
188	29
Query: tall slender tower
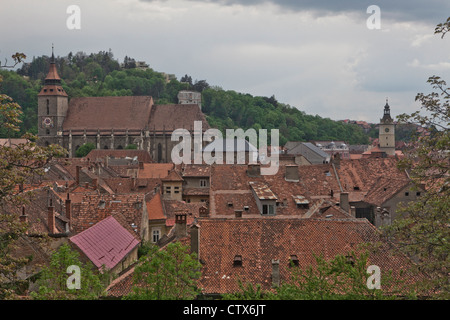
52	107
387	132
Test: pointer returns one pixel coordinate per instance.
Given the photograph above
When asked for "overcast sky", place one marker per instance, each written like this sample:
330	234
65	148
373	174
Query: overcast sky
319	56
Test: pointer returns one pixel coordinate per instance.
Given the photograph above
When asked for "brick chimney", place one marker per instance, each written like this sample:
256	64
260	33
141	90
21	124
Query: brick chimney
51	218
254	170
23	218
180	225
291	173
68	207
275	273
195	239
77	175
344	202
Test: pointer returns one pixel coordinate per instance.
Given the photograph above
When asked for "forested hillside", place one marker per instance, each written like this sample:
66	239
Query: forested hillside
101	75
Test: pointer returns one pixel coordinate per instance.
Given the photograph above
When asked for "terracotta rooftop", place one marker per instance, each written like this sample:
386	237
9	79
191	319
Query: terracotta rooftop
106	243
155	208
95	207
384	189
259	241
155	170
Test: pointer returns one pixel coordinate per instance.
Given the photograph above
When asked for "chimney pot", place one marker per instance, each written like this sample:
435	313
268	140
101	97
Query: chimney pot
291	173
275	273
51	219
344	202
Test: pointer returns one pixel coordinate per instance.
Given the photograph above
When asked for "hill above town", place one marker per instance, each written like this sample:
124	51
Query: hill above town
99	74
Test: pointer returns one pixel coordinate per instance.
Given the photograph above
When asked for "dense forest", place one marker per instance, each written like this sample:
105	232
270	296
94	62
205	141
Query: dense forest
99	74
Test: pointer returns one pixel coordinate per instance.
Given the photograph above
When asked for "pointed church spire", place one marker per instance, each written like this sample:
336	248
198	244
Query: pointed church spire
387	113
52	60
52	82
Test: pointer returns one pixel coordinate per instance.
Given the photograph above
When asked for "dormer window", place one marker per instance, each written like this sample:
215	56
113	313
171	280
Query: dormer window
268	209
293	262
237	261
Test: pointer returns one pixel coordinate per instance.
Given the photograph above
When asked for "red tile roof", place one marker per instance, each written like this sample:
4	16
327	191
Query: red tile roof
258	241
106	113
105	243
155	170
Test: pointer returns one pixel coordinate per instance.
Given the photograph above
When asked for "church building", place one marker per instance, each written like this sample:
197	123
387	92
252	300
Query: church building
110	122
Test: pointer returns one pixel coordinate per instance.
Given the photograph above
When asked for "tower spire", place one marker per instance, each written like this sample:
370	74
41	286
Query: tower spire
52	59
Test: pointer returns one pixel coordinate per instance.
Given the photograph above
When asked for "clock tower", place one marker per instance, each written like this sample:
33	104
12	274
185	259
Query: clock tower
387	132
52	107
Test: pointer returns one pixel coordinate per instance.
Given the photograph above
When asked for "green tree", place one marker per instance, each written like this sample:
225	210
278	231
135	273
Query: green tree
53	279
423	230
166	274
19	164
84	150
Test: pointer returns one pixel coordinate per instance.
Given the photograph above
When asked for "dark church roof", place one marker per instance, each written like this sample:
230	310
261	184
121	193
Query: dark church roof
170	117
106	113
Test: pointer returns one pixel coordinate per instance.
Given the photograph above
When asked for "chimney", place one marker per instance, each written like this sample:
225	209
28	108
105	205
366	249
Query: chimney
141	165
95	183
133	183
23	218
180	225
344	202
77	175
254	170
291	173
68	207
238	213
51	218
195	239
275	273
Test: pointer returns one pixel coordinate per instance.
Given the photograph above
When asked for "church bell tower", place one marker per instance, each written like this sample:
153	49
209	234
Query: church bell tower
52	107
387	132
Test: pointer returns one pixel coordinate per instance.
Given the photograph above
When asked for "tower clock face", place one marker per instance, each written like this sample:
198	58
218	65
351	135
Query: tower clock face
386	129
47	122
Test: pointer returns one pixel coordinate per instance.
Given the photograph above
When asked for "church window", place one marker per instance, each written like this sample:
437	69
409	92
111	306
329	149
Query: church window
159	152
47	131
203	183
48	107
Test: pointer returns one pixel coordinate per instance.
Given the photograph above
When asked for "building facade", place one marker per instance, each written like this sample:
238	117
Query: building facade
110	122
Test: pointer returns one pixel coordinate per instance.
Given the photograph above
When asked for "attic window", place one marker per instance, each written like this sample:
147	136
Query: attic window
328	173
230	204
102	204
406	194
355	188
246	208
294	261
237	262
